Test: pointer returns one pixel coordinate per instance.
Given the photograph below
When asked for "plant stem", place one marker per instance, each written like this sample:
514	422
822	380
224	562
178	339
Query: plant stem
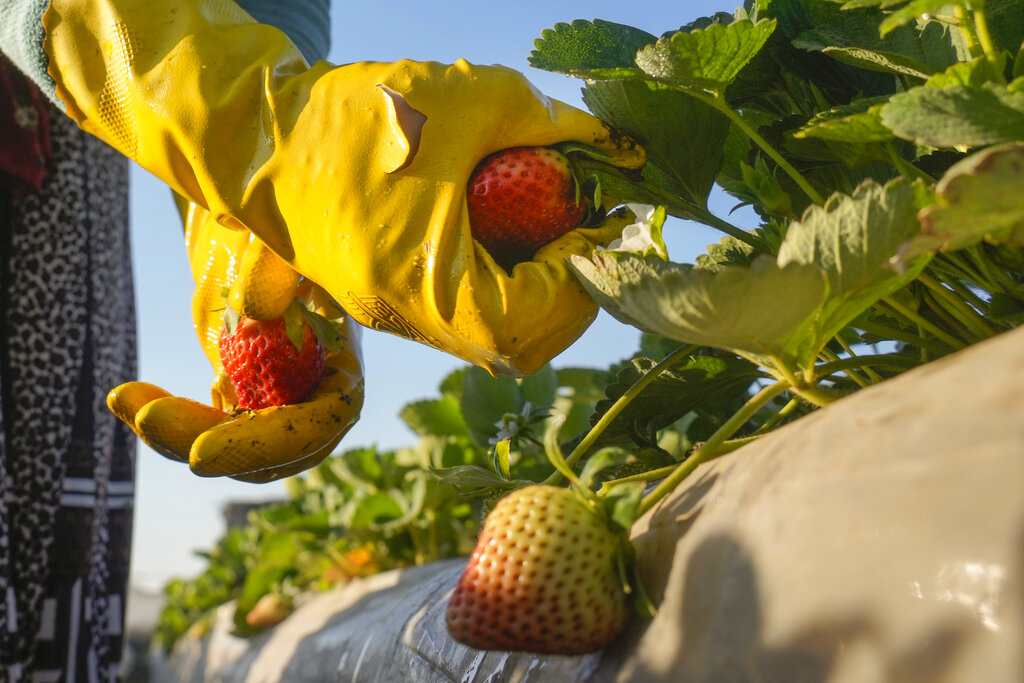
813	395
649	192
711	220
962	278
873	376
662	472
701	215
957	307
584	445
775	419
996	278
721	105
554	453
844	364
653	475
897	334
951	323
831	357
907	169
967	27
972	300
924	324
988	46
711	447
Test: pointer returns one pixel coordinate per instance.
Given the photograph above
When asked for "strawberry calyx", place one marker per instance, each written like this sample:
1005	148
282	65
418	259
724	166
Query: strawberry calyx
327	331
279	361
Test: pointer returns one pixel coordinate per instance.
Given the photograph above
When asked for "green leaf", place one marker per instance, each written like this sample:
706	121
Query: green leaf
688	155
705	60
434	417
485	400
591	50
451	385
972	74
622	503
1006	308
764	313
1006	23
979	199
956	116
874	60
293	324
769	196
279	548
231	319
910	12
690	385
327	331
859	121
854	38
580	390
539	388
258	583
502	459
853	239
473	480
374	510
601	461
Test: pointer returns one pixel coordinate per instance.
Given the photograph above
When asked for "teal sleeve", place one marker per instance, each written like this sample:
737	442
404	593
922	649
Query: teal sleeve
21	40
305	22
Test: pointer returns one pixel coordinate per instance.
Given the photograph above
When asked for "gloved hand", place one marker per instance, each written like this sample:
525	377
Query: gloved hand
354	175
219	440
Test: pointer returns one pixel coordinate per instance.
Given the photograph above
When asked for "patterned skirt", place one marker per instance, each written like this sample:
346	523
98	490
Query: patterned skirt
67	336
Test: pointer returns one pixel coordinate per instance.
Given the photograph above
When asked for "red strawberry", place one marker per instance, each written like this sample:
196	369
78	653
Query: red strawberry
264	365
520	199
543	578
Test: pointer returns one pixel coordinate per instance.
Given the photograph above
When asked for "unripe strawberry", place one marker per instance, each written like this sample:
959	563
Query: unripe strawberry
265	367
270	610
543	578
520	199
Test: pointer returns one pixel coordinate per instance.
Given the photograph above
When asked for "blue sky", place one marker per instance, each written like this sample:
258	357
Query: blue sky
177	512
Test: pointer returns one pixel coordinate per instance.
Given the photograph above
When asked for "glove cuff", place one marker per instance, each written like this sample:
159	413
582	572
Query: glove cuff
307	23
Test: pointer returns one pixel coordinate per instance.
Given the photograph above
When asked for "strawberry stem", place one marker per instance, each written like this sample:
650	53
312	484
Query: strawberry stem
554	453
721	105
619	405
712	447
644	191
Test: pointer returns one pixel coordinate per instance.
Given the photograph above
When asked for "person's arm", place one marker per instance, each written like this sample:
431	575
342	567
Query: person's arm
305	22
355	175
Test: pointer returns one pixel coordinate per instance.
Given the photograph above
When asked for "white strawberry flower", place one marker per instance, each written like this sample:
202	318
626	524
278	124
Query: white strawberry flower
511	424
644	236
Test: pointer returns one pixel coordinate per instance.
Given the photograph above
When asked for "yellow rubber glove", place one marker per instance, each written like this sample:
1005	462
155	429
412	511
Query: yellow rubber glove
354	175
220	440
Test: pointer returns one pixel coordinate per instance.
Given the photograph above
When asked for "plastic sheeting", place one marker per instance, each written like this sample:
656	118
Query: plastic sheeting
880	539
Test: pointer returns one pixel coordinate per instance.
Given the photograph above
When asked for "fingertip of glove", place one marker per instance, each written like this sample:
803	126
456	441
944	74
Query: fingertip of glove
126	400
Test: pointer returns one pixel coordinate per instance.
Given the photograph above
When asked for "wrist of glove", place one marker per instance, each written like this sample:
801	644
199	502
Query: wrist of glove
223	439
355	176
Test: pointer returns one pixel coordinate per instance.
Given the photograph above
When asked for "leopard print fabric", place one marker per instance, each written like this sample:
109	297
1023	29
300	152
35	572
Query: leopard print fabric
67	336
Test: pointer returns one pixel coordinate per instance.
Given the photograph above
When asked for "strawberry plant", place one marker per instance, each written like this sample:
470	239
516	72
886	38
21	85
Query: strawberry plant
878	143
